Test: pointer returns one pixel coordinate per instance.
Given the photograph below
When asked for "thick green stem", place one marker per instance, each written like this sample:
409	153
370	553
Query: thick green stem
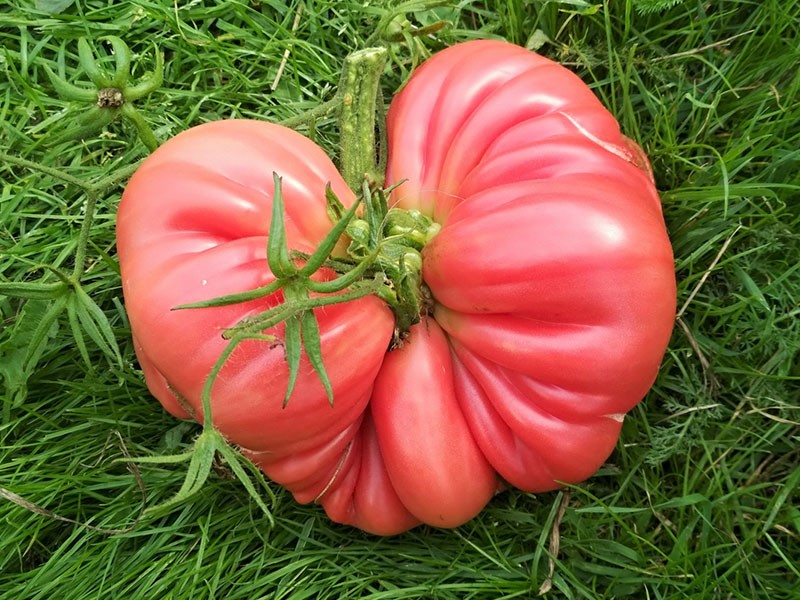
359	91
83	236
116	177
98	187
319	112
34	166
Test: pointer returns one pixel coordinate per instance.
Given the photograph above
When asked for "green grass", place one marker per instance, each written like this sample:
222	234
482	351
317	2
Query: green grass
701	499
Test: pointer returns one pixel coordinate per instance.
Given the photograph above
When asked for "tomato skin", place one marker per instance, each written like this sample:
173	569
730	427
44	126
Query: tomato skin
362	494
553	275
515	427
424	436
191	226
552	279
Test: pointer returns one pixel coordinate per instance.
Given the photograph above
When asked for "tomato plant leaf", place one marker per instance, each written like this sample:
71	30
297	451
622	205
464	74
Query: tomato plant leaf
581	7
376	211
173	438
651	6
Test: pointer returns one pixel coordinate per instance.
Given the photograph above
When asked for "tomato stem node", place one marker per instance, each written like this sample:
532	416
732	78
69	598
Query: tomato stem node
111	95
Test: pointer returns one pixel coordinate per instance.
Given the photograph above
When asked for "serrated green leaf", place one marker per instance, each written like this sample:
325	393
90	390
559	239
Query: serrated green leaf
537	39
376	209
751	286
173	438
651	6
16	380
36	325
583	7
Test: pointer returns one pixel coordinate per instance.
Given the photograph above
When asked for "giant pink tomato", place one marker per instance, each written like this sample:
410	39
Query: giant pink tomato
552	281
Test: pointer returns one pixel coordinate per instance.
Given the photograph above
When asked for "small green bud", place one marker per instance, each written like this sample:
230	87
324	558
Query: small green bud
412	261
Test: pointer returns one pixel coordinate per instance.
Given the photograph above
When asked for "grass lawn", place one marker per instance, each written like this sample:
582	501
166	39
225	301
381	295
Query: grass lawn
701	498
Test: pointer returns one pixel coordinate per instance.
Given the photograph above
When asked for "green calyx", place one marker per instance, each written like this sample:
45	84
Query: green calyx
383	259
391	241
111	94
